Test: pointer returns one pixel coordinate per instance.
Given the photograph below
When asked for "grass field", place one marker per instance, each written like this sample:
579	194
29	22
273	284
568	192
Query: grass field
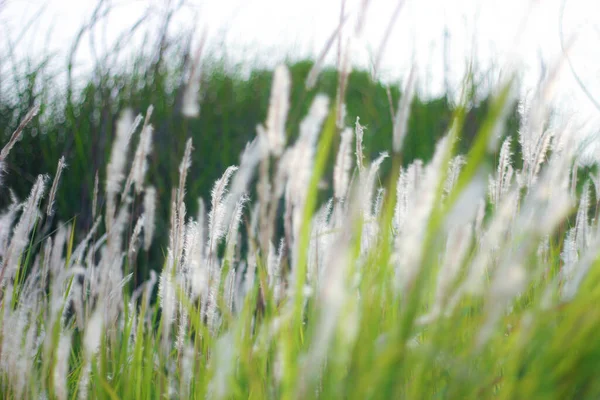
318	267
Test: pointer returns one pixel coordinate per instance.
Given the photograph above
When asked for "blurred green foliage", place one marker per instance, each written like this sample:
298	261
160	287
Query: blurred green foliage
81	125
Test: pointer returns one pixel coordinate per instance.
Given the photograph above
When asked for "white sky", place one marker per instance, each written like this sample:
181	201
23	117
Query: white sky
268	31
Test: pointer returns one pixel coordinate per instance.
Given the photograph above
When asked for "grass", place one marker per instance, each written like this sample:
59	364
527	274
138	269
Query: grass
401	296
448	277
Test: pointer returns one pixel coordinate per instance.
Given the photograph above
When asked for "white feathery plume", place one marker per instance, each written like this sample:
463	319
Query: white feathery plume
78	252
501	183
115	234
533	111
173	225
539	155
403	195
19	345
182	330
216	216
232	232
91	344
216	231
190	245
253	154
132	320
229	289
401	118
115	171
569	255
140	160
149	216
274	270
186	162
359	131
368	183
110	280
378	202
582	228
212	314
6	223
454	169
343	165
406	192
60	239
195	270
16	135
167	297
61	165
93	332
524	132
179	234
320	241
61	368
279	105
188	362
78	302
20	235
133	243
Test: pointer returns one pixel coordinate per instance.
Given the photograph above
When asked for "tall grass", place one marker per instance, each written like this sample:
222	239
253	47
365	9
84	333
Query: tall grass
231	106
444	277
455	279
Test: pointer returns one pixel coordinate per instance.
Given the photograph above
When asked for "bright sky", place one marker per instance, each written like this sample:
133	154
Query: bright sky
268	31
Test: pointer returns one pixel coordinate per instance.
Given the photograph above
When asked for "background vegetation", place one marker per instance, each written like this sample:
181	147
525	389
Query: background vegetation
79	123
